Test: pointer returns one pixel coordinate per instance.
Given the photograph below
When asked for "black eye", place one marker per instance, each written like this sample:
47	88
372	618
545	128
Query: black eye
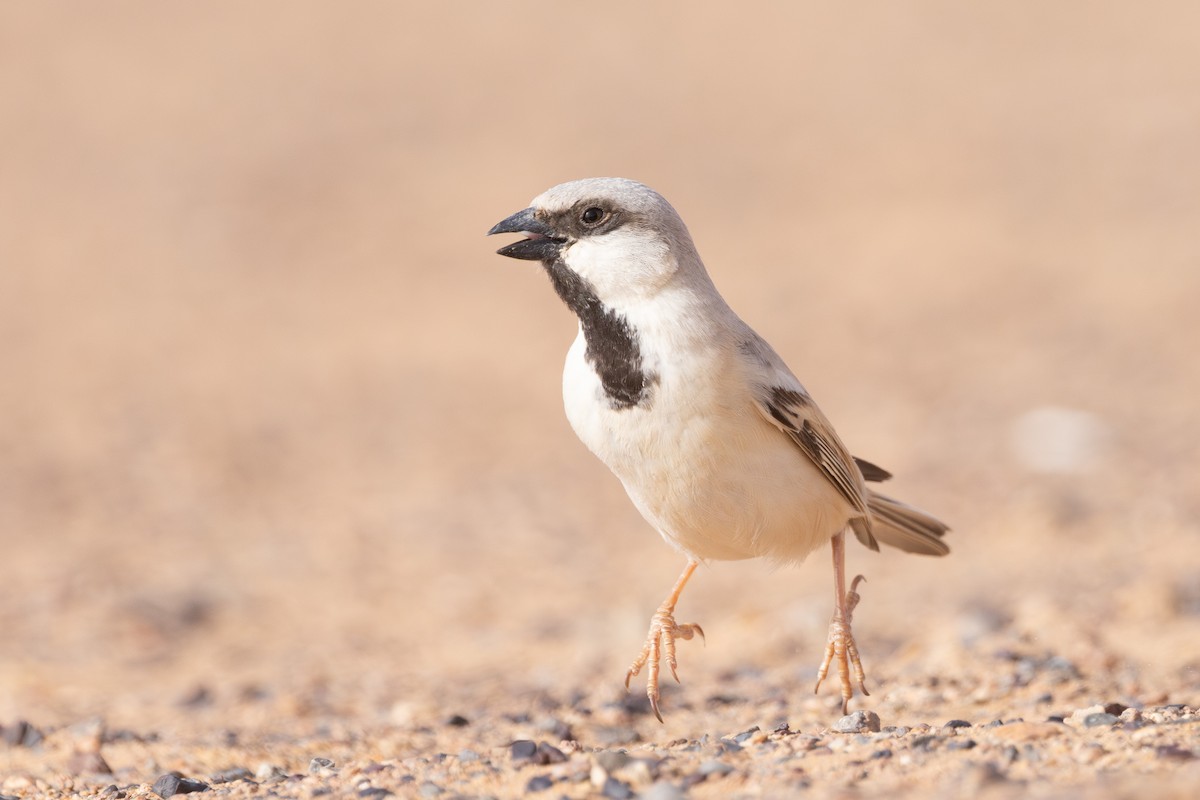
592	215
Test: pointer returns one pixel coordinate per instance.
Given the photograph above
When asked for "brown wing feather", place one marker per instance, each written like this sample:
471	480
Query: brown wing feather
824	449
882	518
871	472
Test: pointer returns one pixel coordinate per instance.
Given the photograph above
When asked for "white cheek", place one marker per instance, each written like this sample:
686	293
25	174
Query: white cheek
622	263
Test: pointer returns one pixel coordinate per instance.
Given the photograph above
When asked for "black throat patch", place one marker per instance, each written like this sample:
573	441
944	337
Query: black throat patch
612	345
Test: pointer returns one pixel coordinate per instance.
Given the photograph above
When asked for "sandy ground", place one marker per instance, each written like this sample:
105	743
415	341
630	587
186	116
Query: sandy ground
288	505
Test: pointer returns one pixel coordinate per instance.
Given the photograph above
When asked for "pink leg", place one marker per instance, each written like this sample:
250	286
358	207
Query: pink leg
840	645
661	639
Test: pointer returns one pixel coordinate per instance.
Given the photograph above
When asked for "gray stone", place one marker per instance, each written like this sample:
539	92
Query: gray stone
616	790
171	784
611	760
1099	719
539	783
663	790
523	750
858	722
715	767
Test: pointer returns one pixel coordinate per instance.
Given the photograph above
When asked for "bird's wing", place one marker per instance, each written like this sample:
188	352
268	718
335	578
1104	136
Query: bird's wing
793	413
785	403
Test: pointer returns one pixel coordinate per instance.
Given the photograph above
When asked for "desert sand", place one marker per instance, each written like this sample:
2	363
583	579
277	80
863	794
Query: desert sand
288	504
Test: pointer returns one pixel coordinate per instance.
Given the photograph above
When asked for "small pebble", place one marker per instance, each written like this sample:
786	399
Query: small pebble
617	790
611	760
22	734
858	722
197	697
1061	669
957	723
1174	752
523	750
555	728
1097	720
924	743
714	767
978	776
379	791
467	756
318	764
549	754
267	771
230	775
961	744
171	784
663	790
641	771
88	763
744	736
539	783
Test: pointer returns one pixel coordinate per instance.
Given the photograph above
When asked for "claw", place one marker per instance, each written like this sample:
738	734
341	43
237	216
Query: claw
660	646
840	646
660	641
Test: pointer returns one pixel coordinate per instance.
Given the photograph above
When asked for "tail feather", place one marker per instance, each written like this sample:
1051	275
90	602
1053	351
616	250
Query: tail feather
910	529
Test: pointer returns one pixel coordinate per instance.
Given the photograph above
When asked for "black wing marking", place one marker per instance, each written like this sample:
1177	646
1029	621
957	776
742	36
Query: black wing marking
826	452
871	472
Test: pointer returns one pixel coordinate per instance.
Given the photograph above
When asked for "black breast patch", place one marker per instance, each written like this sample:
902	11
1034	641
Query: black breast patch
612	344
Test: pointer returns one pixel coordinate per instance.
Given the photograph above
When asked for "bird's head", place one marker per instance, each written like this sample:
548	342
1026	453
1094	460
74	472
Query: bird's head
620	236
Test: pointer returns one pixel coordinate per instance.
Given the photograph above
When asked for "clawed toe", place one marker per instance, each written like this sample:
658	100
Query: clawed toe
660	641
660	644
842	648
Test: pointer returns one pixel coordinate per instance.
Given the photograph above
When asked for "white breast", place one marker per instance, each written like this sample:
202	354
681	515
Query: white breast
698	460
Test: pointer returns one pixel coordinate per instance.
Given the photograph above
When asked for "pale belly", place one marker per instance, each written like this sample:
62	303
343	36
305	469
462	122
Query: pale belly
713	477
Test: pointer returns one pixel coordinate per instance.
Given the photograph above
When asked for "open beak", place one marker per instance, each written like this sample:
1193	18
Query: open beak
540	243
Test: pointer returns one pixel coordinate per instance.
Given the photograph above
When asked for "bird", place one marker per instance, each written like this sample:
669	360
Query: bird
717	443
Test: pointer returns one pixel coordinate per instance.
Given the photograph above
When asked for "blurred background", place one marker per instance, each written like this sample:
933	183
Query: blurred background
275	422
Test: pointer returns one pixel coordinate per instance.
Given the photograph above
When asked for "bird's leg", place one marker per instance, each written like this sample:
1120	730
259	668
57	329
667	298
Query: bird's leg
841	640
661	640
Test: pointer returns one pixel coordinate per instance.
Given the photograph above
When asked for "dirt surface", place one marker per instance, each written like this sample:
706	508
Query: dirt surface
288	504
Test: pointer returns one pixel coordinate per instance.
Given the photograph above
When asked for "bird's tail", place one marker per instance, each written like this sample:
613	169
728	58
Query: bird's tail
905	527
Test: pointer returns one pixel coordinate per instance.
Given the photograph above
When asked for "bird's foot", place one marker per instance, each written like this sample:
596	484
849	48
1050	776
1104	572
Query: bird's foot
841	647
660	641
